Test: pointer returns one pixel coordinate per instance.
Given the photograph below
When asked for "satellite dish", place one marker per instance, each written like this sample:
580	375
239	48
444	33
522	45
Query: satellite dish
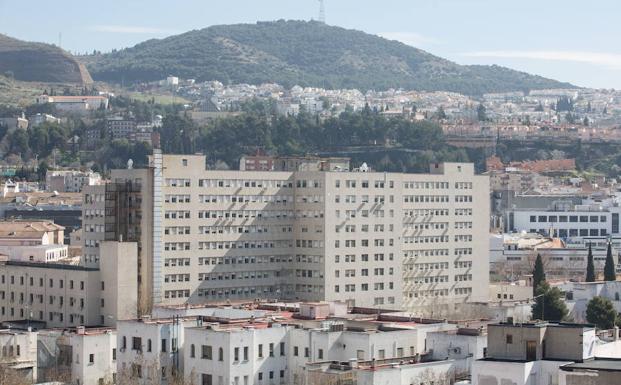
130	164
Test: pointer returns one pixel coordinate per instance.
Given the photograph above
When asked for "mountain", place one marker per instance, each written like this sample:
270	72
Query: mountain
38	62
307	54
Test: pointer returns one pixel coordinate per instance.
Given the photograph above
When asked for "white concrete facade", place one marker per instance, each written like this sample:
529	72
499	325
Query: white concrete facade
371	239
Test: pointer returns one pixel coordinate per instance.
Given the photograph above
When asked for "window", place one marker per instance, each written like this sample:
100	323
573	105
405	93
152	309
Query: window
260	351
295	351
206	352
114	354
192	351
509	339
245	353
282	348
136	343
306	352
236	354
164	343
320	354
149	345
91	358
220	354
271	350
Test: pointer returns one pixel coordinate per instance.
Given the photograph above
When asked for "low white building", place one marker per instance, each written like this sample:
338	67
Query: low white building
580	293
85	356
463	346
536	353
70	180
149	350
35	253
19	352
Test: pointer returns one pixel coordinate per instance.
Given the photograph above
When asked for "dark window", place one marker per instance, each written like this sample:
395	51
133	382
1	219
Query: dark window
509	339
584	218
562	218
137	343
553	218
573	218
543	218
192	351
164	343
593	218
533	218
91	358
593	232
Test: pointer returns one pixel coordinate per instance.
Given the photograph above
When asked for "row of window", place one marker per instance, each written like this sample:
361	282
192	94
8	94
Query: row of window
248	183
568	218
41	281
364	183
378	271
77	319
563	233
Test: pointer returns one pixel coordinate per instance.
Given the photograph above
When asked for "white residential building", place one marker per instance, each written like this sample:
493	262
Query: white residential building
538	353
70	180
237	346
86	356
19	352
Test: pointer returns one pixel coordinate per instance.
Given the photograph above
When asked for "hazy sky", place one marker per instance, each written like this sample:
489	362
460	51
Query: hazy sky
569	40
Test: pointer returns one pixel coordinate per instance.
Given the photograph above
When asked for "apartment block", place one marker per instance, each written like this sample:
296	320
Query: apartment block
372	239
64	295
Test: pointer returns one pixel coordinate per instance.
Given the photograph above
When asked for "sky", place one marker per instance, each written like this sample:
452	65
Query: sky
569	40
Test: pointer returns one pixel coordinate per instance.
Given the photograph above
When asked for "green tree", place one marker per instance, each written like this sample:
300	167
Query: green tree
550	305
609	267
42	170
481	113
601	313
590	273
440	114
539	275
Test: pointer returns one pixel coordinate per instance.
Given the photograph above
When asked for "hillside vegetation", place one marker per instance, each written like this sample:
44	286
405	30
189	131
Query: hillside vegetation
304	53
38	62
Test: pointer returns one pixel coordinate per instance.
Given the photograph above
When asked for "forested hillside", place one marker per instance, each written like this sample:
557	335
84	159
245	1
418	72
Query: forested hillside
304	53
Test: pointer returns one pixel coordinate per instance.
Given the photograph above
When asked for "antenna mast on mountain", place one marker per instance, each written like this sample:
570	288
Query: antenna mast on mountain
322	12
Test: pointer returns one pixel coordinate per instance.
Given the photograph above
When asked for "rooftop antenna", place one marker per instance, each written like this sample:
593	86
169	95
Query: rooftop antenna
322	12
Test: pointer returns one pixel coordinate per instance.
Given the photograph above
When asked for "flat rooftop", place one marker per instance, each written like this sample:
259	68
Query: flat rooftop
601	364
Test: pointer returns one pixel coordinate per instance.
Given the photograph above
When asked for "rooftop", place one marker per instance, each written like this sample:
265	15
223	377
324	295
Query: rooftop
601	364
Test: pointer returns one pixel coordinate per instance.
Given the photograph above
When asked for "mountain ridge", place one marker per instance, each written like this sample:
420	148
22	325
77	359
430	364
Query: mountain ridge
40	62
307	54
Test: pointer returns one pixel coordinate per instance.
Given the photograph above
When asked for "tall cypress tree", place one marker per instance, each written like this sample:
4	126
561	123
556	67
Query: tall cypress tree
609	267
590	275
539	275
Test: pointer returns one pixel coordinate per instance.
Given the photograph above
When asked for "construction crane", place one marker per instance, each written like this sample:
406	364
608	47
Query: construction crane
322	12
